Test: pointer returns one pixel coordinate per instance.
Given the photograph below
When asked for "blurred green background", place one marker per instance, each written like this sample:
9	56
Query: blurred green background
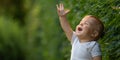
30	29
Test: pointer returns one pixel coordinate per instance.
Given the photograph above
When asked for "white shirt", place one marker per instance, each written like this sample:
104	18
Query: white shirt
84	51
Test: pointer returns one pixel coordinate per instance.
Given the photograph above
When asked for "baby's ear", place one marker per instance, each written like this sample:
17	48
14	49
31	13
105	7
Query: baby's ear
95	34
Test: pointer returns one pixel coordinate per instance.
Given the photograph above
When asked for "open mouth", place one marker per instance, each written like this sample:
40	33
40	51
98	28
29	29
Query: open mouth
79	29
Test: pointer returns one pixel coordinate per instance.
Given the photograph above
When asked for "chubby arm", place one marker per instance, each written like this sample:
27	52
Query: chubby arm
97	58
63	21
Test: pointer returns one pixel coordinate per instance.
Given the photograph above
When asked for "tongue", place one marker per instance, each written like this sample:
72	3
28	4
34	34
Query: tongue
79	29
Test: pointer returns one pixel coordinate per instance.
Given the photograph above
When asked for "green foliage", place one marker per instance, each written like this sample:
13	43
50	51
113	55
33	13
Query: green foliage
11	40
30	29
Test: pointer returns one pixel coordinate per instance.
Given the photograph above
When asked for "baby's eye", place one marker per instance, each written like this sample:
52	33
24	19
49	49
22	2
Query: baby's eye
86	23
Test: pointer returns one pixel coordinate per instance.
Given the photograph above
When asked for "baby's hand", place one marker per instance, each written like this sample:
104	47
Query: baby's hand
60	10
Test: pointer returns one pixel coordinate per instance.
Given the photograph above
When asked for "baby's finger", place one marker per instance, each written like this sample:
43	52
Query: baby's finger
57	7
67	11
62	7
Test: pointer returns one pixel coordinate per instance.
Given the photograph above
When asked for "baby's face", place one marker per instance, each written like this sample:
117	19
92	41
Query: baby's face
85	28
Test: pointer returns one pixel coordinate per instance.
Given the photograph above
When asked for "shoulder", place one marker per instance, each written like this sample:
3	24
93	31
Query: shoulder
94	43
96	50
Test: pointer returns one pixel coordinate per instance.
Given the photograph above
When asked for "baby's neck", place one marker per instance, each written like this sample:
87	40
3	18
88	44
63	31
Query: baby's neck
85	40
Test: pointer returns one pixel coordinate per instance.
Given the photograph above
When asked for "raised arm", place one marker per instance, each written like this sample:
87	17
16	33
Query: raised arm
63	21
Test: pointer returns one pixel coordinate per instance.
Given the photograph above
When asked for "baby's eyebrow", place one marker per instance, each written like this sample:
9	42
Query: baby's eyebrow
86	22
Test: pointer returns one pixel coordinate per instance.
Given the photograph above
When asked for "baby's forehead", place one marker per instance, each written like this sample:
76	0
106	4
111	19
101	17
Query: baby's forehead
88	19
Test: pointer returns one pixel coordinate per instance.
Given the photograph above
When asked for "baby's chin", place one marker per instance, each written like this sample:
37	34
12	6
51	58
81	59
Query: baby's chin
78	33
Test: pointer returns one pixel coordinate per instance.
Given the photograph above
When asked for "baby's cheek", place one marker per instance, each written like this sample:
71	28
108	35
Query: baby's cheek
88	29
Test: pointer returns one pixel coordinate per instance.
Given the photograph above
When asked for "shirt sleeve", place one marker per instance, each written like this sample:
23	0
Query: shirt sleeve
96	51
73	37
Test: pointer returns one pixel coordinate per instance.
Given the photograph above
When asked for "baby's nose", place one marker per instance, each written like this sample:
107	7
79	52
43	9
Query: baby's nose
81	24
